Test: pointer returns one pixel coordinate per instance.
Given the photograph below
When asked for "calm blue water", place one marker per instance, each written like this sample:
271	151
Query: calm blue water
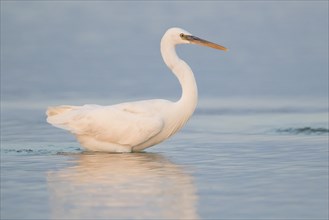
256	147
231	163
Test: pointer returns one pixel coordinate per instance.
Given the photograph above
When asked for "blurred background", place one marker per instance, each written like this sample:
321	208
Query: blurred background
88	50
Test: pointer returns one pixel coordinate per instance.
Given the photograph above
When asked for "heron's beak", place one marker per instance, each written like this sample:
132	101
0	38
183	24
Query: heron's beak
196	40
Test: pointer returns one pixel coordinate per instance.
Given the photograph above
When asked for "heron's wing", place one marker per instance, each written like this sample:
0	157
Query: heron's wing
122	125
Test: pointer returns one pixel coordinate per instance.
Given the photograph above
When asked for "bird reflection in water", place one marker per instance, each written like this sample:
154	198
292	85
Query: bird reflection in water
126	186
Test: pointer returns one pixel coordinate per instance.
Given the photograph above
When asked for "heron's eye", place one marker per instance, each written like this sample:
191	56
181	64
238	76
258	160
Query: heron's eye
181	35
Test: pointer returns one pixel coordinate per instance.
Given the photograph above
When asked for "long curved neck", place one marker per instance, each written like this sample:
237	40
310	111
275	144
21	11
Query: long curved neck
184	74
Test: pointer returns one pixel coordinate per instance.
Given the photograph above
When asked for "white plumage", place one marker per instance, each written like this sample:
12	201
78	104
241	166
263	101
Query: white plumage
134	126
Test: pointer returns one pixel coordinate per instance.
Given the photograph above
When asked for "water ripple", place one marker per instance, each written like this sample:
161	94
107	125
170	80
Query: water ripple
304	130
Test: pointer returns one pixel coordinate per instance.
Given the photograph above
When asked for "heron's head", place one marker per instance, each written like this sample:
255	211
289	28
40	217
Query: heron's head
180	36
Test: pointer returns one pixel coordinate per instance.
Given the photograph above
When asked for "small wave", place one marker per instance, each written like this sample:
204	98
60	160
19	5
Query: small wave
18	151
29	151
304	130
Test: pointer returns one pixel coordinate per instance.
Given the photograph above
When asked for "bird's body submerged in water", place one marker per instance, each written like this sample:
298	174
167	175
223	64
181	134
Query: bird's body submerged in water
134	126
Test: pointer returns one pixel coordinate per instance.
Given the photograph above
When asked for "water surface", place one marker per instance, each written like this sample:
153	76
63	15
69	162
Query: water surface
223	164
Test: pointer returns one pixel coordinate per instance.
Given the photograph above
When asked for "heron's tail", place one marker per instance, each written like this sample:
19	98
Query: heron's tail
56	110
58	115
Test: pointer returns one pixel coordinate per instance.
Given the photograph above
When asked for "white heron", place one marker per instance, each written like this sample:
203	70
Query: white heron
134	126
